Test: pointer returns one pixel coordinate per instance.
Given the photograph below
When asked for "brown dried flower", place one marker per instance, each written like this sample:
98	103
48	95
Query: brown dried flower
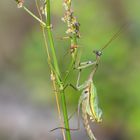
19	3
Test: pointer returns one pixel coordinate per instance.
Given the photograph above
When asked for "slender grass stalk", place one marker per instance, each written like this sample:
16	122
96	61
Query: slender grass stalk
72	31
58	108
38	19
50	37
53	79
20	4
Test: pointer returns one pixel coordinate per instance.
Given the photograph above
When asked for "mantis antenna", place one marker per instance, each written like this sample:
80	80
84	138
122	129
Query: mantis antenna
114	36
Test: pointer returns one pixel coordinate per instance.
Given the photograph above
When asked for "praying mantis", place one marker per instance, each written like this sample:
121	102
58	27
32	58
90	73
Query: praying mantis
88	101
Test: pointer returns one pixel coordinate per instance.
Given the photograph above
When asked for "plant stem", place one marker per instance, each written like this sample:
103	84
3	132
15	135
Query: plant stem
74	55
74	43
73	31
51	71
64	107
34	16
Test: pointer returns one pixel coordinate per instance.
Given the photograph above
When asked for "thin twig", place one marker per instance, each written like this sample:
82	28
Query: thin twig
34	16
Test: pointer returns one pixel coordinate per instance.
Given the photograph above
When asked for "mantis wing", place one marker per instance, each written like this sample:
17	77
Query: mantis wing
93	109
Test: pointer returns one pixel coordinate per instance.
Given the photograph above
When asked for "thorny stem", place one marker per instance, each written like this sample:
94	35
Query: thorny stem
64	107
51	71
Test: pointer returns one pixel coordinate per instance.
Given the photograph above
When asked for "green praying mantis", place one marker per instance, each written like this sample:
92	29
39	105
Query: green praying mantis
88	101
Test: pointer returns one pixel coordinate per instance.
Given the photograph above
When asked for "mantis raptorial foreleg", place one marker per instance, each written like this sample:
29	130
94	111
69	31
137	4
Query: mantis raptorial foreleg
81	66
86	64
78	86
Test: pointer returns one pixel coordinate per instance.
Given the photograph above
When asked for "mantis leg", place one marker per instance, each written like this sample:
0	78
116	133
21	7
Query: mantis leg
71	115
72	129
71	85
77	87
82	86
86	64
78	114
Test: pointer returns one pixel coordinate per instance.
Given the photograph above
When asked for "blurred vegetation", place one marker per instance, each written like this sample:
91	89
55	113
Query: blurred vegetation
118	77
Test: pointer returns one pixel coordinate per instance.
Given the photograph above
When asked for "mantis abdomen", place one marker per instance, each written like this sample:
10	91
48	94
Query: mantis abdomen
86	122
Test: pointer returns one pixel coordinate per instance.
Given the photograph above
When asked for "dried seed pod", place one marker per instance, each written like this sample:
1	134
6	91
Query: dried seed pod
70	19
19	3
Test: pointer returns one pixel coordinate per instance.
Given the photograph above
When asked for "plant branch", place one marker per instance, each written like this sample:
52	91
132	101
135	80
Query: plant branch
52	75
73	32
34	16
64	107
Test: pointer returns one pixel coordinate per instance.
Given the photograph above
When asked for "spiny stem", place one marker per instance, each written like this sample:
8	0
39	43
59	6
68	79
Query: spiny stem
64	107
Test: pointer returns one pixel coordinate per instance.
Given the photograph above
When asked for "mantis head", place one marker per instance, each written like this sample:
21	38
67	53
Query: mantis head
97	52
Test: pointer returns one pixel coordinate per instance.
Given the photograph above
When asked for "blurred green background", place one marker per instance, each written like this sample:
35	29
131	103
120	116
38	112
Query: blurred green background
27	102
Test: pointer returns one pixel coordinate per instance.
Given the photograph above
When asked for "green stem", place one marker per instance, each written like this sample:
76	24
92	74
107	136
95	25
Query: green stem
74	55
74	42
50	37
73	39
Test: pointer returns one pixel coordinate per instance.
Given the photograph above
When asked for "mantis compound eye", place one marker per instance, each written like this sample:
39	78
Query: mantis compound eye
98	53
